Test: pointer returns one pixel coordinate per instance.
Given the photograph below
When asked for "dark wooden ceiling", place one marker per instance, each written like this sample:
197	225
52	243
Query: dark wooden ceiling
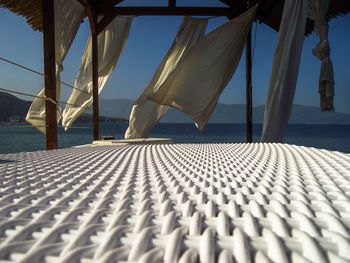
269	11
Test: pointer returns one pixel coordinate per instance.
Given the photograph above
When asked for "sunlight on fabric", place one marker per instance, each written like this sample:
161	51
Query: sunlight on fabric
196	84
111	43
68	16
284	70
145	113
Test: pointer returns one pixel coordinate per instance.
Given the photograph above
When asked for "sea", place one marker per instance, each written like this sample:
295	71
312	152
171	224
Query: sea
23	138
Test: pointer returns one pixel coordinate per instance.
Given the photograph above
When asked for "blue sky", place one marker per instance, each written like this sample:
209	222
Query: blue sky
149	40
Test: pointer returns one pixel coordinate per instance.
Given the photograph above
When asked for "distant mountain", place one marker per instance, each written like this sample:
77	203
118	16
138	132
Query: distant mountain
115	110
119	108
307	114
86	117
233	113
13	109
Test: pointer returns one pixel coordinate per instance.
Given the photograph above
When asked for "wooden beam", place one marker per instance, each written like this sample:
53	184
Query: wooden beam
94	37
172	3
89	11
108	17
110	3
249	97
106	20
227	2
241	4
170	11
267	10
249	100
50	74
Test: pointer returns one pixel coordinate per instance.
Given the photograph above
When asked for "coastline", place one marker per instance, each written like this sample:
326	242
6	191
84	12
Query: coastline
25	138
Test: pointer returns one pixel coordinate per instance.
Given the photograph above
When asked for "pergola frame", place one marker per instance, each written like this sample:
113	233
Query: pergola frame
50	74
109	9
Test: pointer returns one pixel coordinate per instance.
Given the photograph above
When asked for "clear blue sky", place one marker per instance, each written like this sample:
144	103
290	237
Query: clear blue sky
149	40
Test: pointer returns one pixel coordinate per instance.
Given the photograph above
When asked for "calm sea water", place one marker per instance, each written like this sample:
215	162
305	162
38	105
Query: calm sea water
332	137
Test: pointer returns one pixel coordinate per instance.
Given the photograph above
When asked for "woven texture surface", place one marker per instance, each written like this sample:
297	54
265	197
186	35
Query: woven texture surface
176	202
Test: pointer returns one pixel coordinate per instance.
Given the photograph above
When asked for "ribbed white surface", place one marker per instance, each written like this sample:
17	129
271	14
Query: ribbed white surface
177	202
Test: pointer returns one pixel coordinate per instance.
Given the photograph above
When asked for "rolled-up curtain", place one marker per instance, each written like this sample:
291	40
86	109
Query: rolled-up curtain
145	113
317	12
111	43
284	70
196	83
68	16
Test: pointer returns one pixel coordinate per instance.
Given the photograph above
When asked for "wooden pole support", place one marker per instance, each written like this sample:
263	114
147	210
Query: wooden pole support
172	3
50	74
249	104
95	79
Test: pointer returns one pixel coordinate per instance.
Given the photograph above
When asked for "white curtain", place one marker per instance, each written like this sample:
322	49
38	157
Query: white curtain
68	16
145	113
196	83
317	12
284	70
111	43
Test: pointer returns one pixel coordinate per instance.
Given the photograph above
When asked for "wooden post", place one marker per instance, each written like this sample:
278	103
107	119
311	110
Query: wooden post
95	78
249	107
172	3
50	73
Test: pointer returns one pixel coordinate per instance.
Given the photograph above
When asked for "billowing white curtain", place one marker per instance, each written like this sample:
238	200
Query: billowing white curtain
68	16
111	43
145	113
196	83
284	70
317	12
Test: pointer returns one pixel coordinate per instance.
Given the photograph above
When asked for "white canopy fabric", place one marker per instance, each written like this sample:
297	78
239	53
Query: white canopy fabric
145	113
196	83
284	70
317	11
68	16
111	43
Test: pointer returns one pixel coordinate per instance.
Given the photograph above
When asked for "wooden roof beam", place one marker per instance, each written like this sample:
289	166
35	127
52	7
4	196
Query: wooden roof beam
110	3
105	21
169	11
109	17
227	2
267	10
172	3
236	4
50	75
91	13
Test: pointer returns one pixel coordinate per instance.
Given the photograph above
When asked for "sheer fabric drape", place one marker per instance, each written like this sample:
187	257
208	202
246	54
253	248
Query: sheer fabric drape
284	70
195	85
68	16
111	43
317	12
145	113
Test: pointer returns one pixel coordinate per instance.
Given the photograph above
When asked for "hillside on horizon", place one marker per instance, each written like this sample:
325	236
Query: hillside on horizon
229	113
14	109
119	109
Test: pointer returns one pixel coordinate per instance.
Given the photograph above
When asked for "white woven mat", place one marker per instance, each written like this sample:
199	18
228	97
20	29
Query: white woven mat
177	202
